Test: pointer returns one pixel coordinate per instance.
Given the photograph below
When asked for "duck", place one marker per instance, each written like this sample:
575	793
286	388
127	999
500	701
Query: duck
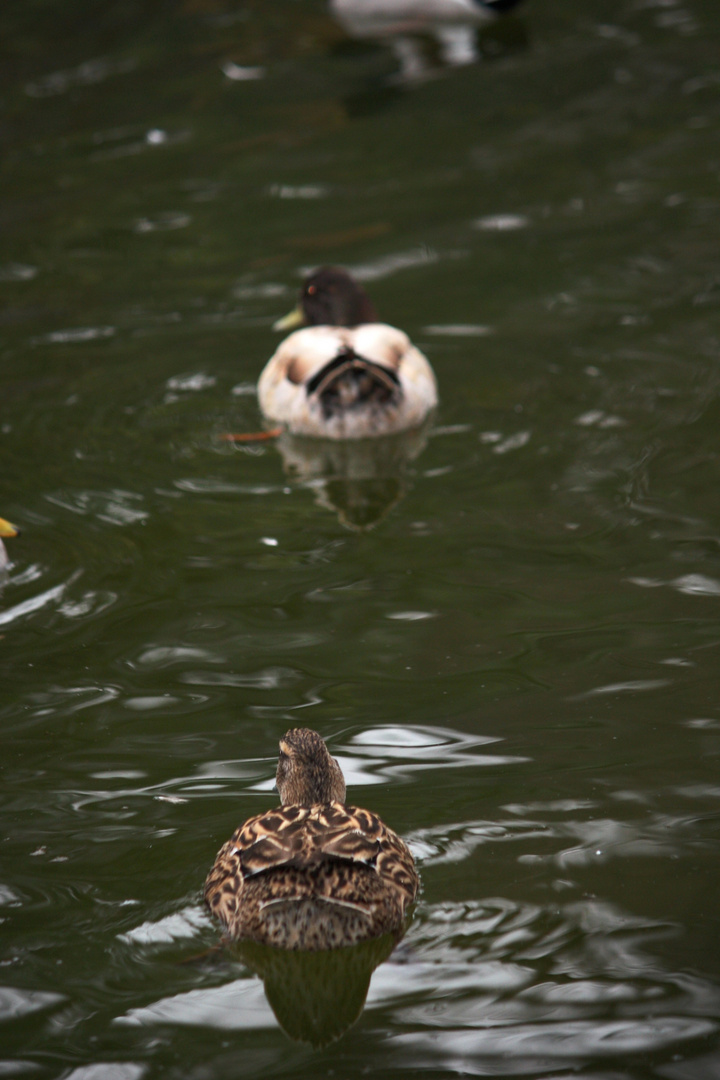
313	874
344	375
6	530
450	26
373	18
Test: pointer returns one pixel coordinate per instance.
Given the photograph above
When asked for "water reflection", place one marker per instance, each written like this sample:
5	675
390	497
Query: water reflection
427	36
89	73
492	987
360	480
504	988
316	996
47	598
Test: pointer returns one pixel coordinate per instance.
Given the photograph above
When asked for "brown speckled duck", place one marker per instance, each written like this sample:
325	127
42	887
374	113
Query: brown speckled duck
344	375
314	873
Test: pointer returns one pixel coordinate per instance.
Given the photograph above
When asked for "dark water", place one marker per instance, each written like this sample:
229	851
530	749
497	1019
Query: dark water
508	628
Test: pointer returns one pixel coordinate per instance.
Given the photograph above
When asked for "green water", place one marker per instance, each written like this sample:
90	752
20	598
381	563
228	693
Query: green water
507	628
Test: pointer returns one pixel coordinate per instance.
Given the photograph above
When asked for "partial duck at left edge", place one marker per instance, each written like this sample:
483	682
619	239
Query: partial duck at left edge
6	530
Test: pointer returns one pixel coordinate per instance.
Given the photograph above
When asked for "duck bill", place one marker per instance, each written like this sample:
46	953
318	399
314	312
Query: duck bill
291	321
6	529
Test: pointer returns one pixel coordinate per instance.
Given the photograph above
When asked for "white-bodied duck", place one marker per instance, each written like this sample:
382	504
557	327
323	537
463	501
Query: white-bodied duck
344	375
372	16
452	24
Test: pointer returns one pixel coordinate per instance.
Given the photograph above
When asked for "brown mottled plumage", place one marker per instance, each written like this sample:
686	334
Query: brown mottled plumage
313	873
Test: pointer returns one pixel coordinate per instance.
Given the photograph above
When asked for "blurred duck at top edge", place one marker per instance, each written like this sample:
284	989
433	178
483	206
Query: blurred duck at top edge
452	23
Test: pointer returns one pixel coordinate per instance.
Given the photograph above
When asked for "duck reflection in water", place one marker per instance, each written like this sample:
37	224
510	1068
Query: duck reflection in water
360	480
353	396
452	25
306	879
316	996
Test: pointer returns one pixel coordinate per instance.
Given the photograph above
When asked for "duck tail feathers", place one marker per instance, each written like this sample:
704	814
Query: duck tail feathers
349	380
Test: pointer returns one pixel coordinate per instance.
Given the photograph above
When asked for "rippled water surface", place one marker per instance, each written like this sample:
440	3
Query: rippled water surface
507	626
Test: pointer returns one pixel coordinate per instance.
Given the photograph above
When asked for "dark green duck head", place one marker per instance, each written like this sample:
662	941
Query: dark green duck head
330	297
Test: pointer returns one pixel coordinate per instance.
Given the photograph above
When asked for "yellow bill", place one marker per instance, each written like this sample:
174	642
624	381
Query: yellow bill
291	321
6	529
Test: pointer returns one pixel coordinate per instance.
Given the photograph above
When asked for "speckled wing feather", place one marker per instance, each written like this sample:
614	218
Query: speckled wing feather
274	846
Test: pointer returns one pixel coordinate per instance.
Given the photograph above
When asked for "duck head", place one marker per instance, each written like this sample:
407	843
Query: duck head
306	772
6	529
330	297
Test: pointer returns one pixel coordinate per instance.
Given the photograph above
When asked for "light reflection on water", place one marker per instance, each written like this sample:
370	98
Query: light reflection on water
490	988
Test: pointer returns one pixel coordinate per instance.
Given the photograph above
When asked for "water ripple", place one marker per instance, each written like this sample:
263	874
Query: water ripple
536	1047
114	507
210	486
15	1003
387	265
298	191
88	73
90	603
164	222
240	1005
423	747
17	272
631	686
175	927
474	985
164	656
108	1070
193	383
35	603
272	678
688	584
501	222
77	335
458	330
239	73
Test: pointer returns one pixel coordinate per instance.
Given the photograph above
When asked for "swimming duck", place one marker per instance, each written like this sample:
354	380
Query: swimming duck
6	529
344	375
408	27
383	18
314	873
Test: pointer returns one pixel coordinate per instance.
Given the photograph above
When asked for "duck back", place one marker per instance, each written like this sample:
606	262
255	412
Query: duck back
312	878
350	381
